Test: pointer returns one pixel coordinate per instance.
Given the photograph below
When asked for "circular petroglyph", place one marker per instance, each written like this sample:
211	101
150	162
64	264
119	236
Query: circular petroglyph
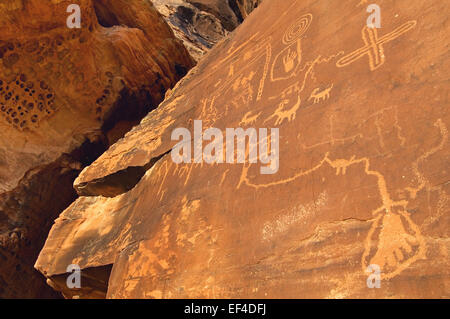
297	29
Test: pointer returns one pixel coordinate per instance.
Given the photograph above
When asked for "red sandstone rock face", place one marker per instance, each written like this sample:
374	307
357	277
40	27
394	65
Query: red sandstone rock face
363	178
65	96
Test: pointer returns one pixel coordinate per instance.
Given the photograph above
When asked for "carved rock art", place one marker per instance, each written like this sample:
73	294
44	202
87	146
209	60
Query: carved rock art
317	95
374	46
363	176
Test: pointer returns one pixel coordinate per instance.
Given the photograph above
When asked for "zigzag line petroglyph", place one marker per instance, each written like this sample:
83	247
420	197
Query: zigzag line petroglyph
415	166
424	183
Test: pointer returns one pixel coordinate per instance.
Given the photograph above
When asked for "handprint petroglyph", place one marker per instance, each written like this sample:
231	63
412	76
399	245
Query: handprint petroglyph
289	60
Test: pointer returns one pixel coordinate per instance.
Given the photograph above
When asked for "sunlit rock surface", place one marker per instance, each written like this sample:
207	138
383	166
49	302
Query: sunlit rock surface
363	177
65	96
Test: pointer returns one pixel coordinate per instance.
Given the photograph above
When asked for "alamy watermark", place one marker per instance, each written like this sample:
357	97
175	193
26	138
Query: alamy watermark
73	281
74	19
251	145
374	20
374	279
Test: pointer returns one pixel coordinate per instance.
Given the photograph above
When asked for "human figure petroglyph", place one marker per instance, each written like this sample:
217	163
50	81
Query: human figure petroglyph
391	220
373	47
422	181
243	90
209	112
262	50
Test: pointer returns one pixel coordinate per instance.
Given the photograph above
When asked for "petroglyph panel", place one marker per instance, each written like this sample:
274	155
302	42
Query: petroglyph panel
364	157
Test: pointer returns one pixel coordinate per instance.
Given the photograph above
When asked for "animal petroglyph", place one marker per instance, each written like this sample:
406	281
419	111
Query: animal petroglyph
292	93
281	113
374	46
394	241
318	95
249	119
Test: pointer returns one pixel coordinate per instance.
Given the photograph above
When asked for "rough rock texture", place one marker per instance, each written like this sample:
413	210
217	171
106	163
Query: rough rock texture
243	8
203	23
363	178
65	96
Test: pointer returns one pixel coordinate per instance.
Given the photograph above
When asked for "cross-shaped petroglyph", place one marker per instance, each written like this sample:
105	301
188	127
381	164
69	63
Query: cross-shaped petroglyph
374	46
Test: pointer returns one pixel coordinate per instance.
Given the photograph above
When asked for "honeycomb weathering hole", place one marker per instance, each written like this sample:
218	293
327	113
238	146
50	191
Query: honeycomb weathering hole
23	103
